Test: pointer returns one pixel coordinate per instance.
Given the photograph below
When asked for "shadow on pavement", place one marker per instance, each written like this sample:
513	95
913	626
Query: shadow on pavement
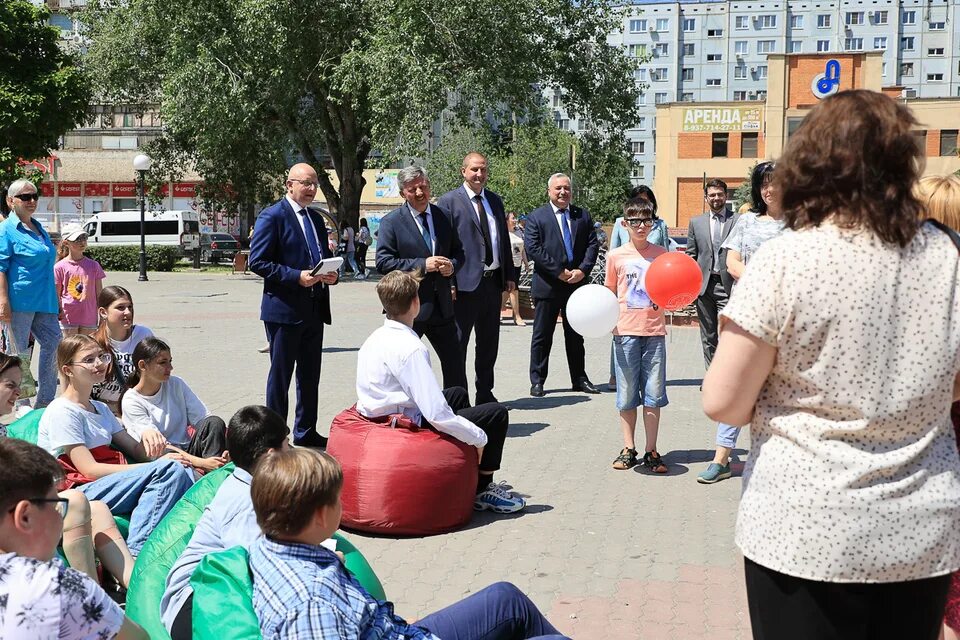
546	402
340	349
688	456
483	518
524	429
685	382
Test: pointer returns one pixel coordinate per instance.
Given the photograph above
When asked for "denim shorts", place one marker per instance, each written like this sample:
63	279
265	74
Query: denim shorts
640	364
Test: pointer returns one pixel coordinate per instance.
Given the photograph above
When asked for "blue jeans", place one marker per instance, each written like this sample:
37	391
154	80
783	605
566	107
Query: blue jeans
348	258
147	492
46	329
727	435
499	612
641	368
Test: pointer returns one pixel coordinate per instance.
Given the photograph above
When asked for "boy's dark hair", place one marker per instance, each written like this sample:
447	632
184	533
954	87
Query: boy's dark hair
26	471
715	183
636	207
290	485
254	430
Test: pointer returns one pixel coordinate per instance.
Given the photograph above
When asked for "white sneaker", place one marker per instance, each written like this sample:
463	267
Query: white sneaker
498	499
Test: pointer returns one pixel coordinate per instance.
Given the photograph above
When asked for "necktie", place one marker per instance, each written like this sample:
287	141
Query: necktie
484	231
567	240
308	231
426	232
717	241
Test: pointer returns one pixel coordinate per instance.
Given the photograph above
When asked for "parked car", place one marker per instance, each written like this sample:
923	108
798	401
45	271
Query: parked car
680	241
215	247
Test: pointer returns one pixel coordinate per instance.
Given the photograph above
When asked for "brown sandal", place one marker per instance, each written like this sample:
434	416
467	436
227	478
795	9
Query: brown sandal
653	461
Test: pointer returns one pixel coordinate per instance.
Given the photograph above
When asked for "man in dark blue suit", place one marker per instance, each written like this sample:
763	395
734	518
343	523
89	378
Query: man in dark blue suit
487	270
560	239
289	239
421	236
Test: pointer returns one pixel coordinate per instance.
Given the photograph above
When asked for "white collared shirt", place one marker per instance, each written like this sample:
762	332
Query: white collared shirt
430	226
394	376
296	210
491	225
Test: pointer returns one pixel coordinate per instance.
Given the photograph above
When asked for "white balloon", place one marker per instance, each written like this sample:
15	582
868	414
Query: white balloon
593	310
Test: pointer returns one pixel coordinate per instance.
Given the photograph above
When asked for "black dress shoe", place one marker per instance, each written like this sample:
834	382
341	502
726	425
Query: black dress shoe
536	390
586	386
312	440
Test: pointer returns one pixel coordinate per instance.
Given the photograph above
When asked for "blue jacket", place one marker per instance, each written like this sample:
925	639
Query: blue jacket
544	244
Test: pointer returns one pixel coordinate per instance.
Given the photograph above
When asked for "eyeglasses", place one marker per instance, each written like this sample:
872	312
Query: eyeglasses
27	197
641	222
306	183
60	504
103	358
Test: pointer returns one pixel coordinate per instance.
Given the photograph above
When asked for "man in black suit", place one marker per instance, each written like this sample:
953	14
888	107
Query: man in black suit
487	269
560	239
421	236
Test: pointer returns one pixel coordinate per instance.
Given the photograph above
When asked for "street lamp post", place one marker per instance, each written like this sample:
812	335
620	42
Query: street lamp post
142	164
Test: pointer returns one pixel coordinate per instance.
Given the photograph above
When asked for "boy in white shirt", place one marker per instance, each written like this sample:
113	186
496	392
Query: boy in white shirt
394	376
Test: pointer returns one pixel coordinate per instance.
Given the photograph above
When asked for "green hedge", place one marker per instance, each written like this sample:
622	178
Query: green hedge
127	257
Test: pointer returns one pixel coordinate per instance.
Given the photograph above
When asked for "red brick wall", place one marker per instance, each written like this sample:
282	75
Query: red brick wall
694	145
802	71
933	143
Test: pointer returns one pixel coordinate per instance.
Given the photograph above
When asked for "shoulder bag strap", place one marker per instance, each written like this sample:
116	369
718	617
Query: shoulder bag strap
953	235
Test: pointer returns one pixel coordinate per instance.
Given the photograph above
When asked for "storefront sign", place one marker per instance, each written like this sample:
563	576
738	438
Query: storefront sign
124	190
184	189
94	189
69	189
721	119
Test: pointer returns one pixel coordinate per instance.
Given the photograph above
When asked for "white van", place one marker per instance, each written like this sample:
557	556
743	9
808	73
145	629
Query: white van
123	227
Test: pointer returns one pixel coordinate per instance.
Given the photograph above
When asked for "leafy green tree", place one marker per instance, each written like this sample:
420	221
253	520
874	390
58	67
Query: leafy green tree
247	86
43	94
602	177
444	163
742	194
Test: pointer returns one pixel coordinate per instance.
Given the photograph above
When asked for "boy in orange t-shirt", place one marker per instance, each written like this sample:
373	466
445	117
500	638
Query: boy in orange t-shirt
639	343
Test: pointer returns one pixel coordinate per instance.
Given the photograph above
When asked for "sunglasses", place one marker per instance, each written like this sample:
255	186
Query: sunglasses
638	222
60	504
27	197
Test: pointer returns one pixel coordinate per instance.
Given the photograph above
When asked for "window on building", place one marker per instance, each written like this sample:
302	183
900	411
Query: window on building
740	47
792	125
920	138
796	22
749	143
739	96
740	72
883	69
948	142
761	95
689	24
823	45
642	100
557	101
796	46
714	57
663	24
640	75
938	26
767	22
637	50
880	42
714	33
689	49
742	22
563	124
637	146
934	77
720	145
823	21
854	18
642	123
906	69
880	17
129	120
686	74
638	26
762	71
686	96
766	46
659	74
661	49
935	51
713	82
906	43
660	97
637	172
909	17
853	44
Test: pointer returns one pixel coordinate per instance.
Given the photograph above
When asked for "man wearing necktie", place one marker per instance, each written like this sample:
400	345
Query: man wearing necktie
560	239
487	270
419	236
289	239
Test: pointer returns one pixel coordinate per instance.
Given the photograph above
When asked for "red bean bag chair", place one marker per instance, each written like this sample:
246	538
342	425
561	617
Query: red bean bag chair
400	478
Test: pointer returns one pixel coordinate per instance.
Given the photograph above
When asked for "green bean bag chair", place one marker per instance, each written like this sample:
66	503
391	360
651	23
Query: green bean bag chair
224	586
27	428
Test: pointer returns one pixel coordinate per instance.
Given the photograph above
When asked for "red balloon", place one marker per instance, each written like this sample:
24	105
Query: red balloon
673	280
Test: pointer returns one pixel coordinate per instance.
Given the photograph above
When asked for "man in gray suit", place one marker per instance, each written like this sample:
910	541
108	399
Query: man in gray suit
705	235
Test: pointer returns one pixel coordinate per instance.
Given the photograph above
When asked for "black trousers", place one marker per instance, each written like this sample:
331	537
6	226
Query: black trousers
492	418
361	257
182	628
295	349
209	438
446	342
544	324
786	608
478	312
709	306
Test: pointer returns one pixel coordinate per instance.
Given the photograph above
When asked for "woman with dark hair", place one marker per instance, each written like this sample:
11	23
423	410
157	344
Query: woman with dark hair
363	243
117	335
349	249
839	347
659	235
162	412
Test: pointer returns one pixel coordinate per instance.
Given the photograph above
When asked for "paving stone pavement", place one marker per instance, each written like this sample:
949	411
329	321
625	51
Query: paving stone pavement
603	553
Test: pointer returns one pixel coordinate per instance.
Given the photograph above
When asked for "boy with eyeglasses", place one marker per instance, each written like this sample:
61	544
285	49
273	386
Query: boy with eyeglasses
639	343
39	596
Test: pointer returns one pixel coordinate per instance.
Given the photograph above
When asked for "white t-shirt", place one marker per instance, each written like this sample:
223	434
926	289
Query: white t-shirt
169	411
854	474
110	389
65	423
48	601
